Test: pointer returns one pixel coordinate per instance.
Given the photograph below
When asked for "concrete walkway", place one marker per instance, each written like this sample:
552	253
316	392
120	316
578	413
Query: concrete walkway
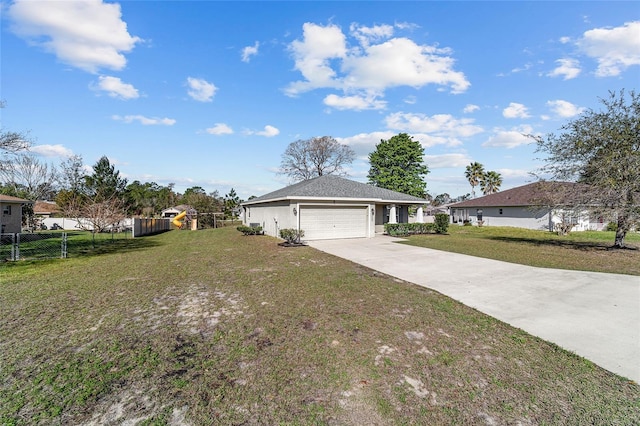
594	315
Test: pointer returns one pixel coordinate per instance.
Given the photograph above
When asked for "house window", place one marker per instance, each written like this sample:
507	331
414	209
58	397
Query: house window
6	210
500	211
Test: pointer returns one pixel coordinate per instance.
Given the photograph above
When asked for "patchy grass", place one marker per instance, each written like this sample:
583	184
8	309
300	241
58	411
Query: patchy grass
584	251
212	327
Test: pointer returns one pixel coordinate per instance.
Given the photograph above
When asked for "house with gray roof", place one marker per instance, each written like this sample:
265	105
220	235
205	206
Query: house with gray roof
329	207
531	206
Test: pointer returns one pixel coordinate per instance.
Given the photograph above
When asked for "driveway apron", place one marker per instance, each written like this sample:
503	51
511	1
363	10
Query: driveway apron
594	315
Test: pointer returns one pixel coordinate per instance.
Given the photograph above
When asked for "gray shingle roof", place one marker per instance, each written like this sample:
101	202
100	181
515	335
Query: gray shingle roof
330	186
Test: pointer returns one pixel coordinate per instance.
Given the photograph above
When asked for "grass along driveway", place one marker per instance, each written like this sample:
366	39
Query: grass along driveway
583	251
211	327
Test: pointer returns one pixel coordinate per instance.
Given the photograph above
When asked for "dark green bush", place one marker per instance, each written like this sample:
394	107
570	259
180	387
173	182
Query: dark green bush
442	223
404	229
611	226
291	235
250	230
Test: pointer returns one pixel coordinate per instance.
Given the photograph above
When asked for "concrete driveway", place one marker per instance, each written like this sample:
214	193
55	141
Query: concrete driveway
594	315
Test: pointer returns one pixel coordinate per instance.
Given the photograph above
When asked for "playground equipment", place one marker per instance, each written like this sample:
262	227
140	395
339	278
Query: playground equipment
189	216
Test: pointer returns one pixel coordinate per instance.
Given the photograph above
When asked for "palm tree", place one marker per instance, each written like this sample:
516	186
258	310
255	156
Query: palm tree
491	182
474	174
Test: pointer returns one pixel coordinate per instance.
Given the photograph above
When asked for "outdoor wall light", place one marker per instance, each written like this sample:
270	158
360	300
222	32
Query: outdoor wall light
295	211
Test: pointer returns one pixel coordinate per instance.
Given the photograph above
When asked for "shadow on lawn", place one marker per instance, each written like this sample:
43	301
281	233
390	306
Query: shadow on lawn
569	244
88	247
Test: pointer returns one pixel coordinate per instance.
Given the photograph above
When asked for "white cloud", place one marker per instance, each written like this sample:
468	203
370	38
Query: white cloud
201	90
373	63
356	102
52	150
402	62
368	35
515	110
410	100
268	132
514	173
447	160
565	40
443	125
116	88
364	143
146	121
312	55
250	51
564	109
503	138
615	49
567	68
469	108
220	129
86	34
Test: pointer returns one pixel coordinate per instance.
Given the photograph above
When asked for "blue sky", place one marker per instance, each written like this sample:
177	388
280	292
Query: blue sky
208	93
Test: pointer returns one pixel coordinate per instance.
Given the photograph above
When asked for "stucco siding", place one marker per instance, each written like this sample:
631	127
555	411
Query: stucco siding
12	222
271	216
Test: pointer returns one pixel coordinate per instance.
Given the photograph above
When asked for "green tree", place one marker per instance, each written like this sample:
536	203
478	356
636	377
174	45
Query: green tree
306	159
474	174
99	204
231	202
397	164
490	182
105	181
601	149
441	199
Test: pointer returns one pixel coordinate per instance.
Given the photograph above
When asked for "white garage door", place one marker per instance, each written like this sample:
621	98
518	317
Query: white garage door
321	223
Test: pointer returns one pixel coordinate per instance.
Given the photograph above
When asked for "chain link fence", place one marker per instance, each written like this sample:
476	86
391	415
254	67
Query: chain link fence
33	246
56	245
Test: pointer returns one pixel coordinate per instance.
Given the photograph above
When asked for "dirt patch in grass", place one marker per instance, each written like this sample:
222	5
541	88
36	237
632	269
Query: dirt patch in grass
247	332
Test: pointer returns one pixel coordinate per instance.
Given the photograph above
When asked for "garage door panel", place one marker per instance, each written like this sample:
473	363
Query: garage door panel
333	222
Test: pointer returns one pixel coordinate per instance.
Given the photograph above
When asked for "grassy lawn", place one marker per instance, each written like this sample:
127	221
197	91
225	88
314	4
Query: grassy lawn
584	251
211	327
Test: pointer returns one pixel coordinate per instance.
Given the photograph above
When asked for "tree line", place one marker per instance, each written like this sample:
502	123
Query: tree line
101	196
600	149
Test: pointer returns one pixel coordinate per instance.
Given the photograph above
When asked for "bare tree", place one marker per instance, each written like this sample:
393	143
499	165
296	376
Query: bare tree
95	216
34	179
318	156
11	143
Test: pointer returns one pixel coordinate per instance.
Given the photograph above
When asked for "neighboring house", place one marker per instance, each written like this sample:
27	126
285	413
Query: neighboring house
174	211
521	207
11	214
329	207
45	209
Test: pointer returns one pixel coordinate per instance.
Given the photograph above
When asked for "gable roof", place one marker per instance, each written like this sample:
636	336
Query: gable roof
11	199
45	207
334	187
527	195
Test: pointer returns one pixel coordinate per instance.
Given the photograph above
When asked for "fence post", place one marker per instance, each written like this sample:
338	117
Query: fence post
63	247
16	250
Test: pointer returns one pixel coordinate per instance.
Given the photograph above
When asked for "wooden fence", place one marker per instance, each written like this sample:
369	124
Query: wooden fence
143	227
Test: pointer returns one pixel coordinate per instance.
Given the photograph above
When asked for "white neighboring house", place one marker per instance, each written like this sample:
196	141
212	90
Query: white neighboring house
330	207
520	207
11	214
